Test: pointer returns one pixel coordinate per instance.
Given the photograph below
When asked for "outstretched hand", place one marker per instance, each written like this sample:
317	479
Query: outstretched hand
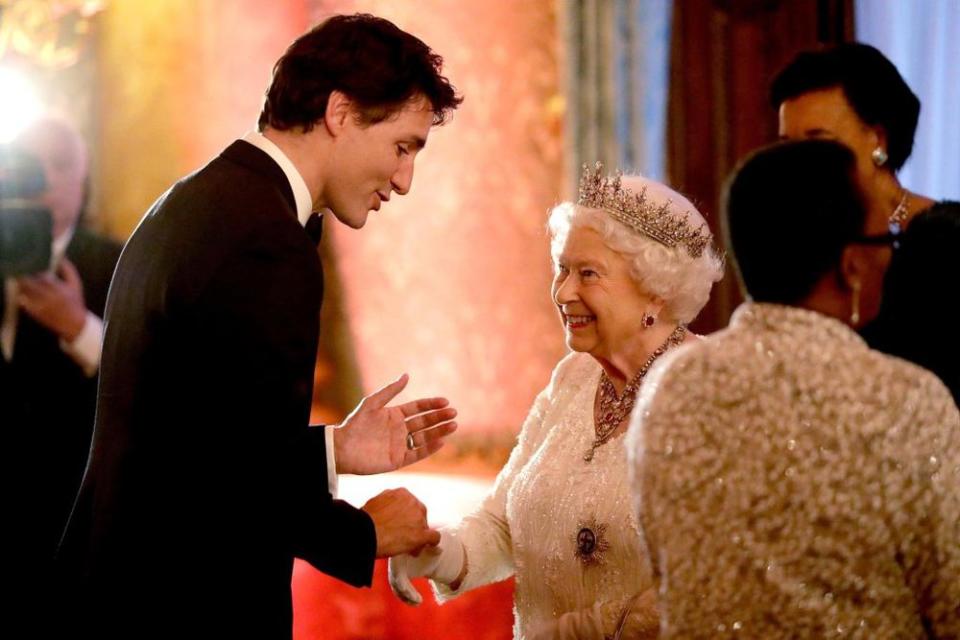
376	438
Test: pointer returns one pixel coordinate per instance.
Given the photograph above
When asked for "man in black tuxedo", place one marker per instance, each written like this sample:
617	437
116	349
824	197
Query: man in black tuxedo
205	481
50	337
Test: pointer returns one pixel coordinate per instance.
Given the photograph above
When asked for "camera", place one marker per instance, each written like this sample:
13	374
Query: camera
26	227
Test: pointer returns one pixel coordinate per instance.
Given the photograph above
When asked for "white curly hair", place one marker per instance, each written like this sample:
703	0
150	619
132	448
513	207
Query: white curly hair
671	274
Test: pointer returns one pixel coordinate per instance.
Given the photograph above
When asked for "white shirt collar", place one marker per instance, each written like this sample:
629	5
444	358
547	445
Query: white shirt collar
301	194
59	247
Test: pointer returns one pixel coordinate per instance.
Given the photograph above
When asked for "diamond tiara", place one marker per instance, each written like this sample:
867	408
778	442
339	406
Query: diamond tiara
639	212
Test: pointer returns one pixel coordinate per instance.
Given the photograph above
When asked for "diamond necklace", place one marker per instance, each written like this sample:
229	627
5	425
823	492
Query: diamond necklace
613	409
899	215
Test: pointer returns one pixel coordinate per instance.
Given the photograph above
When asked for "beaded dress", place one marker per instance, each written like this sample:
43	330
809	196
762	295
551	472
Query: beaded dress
794	483
563	526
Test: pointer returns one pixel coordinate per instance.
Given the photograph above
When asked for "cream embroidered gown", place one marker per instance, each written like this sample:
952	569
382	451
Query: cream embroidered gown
564	526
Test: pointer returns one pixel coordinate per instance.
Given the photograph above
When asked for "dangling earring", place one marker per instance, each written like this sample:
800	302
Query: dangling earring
855	304
879	157
648	320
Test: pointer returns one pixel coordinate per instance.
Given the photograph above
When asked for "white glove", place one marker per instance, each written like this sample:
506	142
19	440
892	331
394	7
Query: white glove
442	563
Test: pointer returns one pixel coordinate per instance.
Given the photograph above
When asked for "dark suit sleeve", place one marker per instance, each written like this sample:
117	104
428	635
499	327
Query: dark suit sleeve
351	559
261	311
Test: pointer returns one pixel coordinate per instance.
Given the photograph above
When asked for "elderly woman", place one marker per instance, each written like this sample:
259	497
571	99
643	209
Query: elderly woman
792	482
634	264
853	94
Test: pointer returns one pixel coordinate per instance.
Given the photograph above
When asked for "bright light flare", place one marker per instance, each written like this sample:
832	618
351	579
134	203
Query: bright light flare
19	104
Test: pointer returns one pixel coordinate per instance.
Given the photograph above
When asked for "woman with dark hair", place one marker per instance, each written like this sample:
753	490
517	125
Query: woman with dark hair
790	481
853	94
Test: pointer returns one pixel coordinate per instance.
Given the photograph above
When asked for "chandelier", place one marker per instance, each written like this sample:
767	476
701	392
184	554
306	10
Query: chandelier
48	33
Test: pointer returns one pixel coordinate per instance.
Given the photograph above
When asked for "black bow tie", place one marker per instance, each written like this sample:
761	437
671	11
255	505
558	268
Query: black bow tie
314	227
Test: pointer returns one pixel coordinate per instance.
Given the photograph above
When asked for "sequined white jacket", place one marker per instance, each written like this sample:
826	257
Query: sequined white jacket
794	483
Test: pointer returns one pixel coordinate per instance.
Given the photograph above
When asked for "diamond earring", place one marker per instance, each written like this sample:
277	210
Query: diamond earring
879	157
855	304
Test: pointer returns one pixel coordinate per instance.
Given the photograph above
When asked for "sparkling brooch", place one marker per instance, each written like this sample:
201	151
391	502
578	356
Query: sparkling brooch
591	543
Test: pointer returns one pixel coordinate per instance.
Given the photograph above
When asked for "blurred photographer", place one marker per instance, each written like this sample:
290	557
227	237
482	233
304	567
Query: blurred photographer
55	276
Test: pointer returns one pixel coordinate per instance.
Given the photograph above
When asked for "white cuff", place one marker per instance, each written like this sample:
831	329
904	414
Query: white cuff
450	563
85	348
331	460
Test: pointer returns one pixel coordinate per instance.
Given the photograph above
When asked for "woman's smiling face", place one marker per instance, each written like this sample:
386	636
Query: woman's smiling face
601	304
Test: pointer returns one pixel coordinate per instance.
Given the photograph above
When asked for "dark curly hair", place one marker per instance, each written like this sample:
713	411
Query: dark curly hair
789	210
871	83
369	59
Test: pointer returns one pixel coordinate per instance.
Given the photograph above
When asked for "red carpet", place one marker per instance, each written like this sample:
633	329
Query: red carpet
325	609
